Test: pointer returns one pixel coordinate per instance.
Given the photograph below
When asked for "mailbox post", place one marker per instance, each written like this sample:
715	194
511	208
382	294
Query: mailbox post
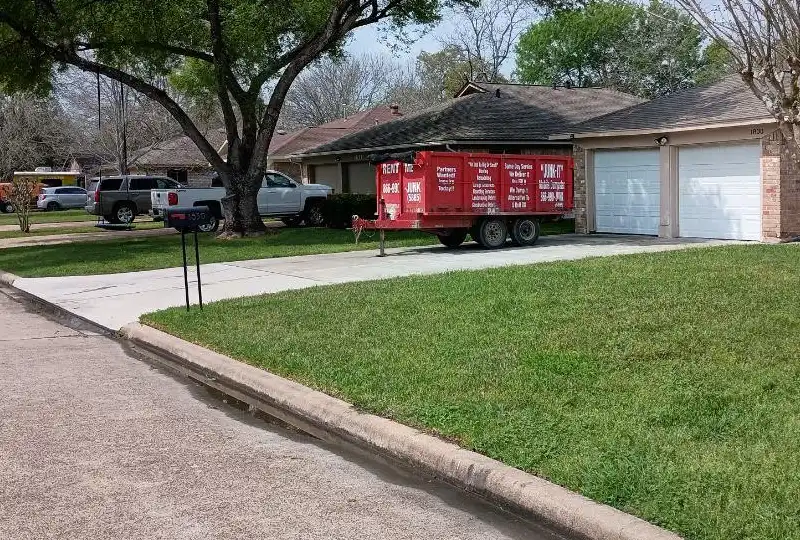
189	219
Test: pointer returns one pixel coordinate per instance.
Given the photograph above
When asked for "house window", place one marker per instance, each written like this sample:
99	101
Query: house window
179	175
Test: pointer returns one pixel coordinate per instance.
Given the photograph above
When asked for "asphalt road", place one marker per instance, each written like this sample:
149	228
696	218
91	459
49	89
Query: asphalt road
97	444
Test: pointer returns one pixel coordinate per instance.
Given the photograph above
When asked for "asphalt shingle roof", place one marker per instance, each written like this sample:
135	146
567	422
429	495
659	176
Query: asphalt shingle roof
181	151
726	101
520	113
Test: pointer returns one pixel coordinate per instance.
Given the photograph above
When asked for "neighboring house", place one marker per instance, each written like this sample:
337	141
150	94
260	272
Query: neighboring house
499	118
88	164
705	162
180	159
176	158
287	153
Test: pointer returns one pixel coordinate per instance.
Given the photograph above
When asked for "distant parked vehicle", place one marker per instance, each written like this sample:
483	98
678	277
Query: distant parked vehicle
6	205
119	199
61	198
279	196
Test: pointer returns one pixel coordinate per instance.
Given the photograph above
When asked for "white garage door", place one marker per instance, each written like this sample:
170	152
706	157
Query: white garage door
720	191
627	191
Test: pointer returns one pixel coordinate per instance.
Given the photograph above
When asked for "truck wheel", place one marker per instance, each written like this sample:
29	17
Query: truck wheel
123	213
212	225
453	237
293	221
525	231
53	206
313	215
493	233
6	207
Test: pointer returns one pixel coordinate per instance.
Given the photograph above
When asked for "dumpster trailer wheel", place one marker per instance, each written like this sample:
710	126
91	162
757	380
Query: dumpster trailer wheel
525	231
452	238
493	233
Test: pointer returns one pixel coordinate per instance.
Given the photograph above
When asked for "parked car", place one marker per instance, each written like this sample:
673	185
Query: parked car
279	196
119	199
61	198
6	206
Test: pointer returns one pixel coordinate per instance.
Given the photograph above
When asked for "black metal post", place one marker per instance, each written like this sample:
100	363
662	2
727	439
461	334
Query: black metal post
185	270
197	260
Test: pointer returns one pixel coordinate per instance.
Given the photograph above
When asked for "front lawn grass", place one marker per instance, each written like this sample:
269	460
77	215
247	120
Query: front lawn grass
51	217
135	254
75	229
664	384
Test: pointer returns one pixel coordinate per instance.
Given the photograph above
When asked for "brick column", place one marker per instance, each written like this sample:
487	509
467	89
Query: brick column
771	147
790	191
579	187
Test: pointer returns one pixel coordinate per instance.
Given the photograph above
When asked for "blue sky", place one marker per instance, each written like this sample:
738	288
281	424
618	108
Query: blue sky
369	39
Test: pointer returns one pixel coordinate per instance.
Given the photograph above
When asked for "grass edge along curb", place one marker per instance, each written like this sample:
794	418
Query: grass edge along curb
320	414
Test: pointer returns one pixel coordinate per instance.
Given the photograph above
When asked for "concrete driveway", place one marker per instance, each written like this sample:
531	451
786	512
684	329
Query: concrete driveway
117	299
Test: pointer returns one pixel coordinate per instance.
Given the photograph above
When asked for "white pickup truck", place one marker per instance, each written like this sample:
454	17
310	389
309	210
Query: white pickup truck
279	196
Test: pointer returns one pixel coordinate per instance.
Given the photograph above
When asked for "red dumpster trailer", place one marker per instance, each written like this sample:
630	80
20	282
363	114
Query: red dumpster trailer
488	196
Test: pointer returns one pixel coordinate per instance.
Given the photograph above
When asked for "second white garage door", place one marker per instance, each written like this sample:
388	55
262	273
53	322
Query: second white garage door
720	191
627	191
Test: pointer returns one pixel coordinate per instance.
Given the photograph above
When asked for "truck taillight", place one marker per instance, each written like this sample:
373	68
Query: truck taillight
41	196
97	194
172	199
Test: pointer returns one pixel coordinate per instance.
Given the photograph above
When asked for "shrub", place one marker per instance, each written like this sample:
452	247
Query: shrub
339	209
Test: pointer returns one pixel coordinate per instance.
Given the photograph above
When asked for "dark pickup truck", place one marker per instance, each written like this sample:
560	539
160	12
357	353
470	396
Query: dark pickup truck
119	199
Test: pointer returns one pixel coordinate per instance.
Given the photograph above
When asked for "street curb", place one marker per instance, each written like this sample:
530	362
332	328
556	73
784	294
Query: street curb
7	279
333	419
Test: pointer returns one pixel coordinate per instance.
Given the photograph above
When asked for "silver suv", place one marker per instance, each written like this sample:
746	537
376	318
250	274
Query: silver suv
119	199
61	198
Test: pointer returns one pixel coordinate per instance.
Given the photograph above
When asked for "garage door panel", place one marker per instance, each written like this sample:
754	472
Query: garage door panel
720	191
627	191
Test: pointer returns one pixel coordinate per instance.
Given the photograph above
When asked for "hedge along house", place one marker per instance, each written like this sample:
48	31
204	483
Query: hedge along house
495	118
706	162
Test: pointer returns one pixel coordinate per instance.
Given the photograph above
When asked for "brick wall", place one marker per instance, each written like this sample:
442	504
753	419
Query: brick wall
790	191
199	178
579	190
780	174
288	168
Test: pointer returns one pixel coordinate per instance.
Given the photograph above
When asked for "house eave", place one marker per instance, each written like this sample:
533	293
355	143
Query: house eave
378	149
651	131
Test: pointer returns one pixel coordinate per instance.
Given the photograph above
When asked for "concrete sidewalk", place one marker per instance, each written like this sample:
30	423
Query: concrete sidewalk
117	299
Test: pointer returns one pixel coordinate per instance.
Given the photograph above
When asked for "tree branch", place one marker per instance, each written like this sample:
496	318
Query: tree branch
69	56
221	68
152	45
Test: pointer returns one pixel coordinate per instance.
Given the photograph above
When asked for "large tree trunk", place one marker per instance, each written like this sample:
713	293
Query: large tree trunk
240	208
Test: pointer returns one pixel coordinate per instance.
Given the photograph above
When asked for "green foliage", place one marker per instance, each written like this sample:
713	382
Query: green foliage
644	50
340	208
148	33
135	254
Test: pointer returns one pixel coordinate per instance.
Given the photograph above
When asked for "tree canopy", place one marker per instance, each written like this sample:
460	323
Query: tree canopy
245	53
644	50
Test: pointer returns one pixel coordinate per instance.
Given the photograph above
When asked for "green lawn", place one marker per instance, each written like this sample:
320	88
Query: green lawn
50	217
666	385
130	255
88	228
